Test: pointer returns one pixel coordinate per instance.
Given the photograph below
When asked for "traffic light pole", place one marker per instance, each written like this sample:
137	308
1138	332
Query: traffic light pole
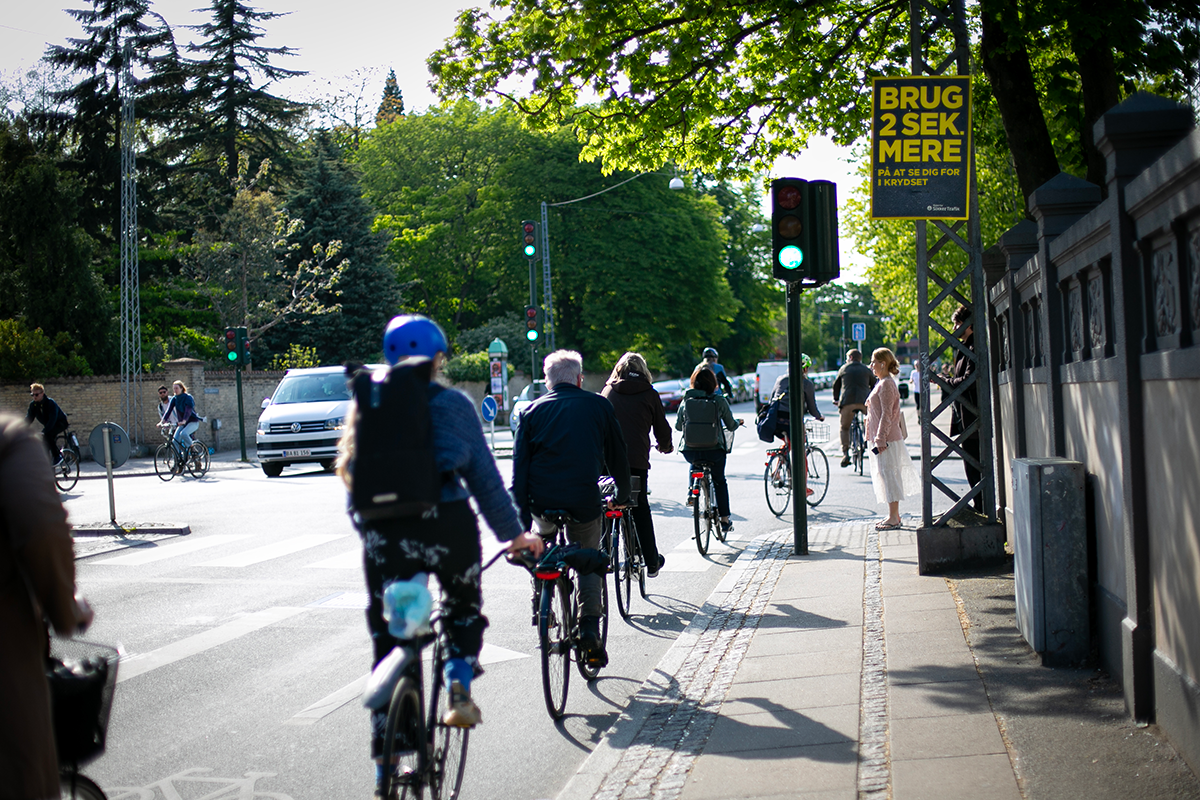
241	415
796	406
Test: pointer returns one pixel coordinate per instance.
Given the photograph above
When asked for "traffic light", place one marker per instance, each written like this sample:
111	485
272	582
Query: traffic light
231	345
245	346
533	327
804	231
529	239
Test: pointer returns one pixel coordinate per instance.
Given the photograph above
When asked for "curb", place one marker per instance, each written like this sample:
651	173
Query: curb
659	696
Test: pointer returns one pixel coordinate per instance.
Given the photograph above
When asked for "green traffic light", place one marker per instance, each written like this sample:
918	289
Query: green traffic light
530	251
791	257
531	335
231	355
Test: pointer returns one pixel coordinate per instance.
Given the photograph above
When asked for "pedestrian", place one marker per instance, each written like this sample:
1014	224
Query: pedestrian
892	472
640	411
964	416
47	413
704	390
850	389
568	438
915	380
164	403
182	409
37	582
445	543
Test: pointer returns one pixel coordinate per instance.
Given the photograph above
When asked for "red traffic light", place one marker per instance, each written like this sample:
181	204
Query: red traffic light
787	196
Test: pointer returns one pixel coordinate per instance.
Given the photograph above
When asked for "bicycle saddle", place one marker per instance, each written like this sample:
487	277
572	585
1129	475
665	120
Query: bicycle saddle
557	516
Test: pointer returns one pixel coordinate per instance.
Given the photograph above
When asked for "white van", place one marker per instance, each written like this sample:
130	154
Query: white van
764	381
302	421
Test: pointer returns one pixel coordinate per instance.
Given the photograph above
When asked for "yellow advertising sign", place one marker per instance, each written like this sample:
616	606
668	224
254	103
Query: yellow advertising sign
921	147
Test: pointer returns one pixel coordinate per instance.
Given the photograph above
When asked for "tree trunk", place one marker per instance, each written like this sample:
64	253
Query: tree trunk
1006	62
1098	80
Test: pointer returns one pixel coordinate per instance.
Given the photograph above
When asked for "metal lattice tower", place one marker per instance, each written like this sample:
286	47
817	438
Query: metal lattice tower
930	22
131	315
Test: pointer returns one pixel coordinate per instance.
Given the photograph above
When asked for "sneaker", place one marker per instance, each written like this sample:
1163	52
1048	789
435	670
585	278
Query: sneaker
463	713
845	461
726	525
652	572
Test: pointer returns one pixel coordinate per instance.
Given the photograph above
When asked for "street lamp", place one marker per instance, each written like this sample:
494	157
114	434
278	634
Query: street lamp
548	327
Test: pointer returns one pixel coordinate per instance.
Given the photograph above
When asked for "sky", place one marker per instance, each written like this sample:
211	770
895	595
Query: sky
336	39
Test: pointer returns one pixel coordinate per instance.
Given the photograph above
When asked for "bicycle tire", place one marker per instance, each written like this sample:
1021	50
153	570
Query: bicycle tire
554	640
818	476
197	461
778	489
622	564
634	550
710	513
165	460
858	444
588	671
405	716
74	786
701	530
66	474
450	754
715	525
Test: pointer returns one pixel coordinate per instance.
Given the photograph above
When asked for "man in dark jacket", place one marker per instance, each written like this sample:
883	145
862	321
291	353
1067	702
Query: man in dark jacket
963	415
850	389
568	438
640	411
46	412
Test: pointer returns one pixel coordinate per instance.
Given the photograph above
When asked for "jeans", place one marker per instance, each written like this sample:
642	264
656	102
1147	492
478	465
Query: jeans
586	534
183	434
716	461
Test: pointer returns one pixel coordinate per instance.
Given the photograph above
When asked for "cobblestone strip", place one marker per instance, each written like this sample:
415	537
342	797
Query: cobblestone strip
656	764
874	772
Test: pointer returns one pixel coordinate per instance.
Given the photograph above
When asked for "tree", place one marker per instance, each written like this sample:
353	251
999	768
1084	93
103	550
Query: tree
329	202
391	107
230	113
344	111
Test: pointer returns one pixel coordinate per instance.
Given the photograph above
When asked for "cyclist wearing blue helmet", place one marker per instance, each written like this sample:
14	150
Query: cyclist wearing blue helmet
445	544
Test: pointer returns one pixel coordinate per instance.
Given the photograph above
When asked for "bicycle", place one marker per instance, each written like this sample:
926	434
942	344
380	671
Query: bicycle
858	442
777	479
171	460
66	472
705	516
556	611
624	550
82	677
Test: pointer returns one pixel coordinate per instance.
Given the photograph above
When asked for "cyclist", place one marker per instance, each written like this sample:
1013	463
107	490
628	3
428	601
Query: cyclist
709	362
568	438
183	409
37	581
853	383
704	385
779	392
640	411
446	543
53	421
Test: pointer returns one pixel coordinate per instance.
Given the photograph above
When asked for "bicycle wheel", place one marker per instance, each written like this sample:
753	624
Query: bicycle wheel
554	638
777	481
589	671
74	786
818	476
404	743
66	474
858	446
710	513
700	525
622	571
633	550
714	523
165	462
197	462
449	746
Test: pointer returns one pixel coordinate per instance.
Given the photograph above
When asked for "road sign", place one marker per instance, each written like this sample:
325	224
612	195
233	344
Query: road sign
489	408
858	331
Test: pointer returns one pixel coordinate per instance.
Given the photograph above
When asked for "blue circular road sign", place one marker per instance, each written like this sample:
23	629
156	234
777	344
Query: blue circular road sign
489	408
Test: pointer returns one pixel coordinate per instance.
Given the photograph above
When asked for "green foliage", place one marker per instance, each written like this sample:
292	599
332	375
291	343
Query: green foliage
31	355
508	328
391	107
471	367
297	356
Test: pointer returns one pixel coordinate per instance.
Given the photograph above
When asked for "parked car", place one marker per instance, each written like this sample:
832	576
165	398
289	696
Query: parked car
530	393
670	391
302	420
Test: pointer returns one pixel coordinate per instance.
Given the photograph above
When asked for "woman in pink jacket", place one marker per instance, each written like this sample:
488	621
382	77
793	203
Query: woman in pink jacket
892	471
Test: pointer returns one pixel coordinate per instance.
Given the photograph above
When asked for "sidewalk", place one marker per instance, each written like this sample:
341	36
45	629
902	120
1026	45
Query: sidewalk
844	674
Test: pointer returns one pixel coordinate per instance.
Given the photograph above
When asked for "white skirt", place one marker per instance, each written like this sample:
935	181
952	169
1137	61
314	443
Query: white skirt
893	473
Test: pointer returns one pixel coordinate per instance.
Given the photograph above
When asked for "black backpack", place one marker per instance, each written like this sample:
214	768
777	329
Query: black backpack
393	469
702	429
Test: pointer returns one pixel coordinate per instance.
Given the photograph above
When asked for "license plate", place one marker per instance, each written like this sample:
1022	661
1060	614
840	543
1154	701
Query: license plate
294	453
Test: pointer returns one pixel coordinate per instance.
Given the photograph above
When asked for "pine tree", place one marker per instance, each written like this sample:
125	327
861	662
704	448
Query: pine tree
330	203
391	108
229	112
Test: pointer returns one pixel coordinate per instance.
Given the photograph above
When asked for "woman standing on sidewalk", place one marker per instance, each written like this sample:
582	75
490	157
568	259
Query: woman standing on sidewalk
892	471
639	410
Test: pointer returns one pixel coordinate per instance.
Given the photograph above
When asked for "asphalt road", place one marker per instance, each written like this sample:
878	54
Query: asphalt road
246	645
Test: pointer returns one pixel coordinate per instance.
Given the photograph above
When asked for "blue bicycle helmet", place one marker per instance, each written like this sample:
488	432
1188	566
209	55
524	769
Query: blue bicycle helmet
413	335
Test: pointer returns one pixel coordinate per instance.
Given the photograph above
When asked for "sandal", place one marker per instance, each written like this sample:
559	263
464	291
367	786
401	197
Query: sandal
887	526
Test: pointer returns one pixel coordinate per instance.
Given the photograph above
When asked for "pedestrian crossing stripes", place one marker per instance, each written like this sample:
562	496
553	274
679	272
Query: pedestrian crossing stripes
274	550
151	552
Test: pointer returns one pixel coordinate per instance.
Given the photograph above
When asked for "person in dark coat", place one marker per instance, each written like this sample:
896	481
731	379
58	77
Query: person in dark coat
46	412
853	383
964	415
640	411
37	582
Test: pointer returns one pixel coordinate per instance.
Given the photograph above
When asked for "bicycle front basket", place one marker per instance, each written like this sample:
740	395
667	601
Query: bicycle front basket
82	676
817	432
